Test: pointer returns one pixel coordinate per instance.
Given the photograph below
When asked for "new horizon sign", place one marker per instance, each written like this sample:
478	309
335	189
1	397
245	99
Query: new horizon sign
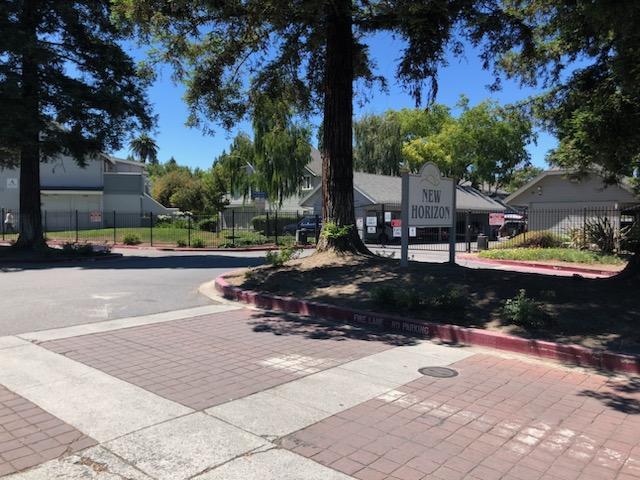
428	200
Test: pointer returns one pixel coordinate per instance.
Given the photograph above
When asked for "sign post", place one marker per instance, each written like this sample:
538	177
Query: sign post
428	200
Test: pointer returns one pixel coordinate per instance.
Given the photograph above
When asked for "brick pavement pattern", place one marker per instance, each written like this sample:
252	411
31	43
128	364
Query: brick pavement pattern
208	360
30	436
499	419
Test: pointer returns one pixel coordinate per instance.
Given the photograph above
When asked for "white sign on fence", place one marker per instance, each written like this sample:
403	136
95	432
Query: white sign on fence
496	219
412	231
95	217
372	221
371	229
397	232
428	200
359	223
12	183
387	217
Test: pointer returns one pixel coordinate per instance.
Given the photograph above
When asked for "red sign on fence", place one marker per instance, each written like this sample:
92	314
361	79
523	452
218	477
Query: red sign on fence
396	222
496	219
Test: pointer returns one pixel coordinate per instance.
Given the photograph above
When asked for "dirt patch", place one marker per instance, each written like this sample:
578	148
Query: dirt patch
596	313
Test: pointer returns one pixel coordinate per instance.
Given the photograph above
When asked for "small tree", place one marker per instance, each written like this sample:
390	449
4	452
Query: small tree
66	86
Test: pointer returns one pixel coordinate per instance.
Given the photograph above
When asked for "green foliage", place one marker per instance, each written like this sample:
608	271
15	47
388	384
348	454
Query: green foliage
601	233
533	239
145	148
333	231
448	298
485	144
586	55
198	243
282	256
180	243
259	223
84	249
208	224
131	239
526	312
571	255
244	238
630	241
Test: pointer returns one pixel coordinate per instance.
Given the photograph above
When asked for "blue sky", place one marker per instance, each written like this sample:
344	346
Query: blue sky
463	76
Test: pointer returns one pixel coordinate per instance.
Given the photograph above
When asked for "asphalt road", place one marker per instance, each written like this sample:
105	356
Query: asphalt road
143	282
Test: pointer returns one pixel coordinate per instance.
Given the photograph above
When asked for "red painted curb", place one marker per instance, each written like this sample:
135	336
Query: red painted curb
518	263
566	353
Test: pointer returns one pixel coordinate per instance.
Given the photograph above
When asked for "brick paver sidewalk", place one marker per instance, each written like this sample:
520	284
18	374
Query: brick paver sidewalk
30	436
499	419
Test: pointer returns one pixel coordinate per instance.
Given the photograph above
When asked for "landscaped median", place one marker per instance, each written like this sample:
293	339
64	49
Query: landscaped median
577	321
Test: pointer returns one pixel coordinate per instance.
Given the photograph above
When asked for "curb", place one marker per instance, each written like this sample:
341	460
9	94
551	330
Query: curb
562	268
565	353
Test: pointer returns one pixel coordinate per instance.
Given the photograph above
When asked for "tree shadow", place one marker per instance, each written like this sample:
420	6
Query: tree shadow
621	396
316	329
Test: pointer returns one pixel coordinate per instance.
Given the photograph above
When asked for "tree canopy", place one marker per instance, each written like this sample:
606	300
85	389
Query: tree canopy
586	55
229	54
484	144
66	85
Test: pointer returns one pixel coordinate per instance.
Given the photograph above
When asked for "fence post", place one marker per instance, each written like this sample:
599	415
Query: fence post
45	226
467	230
189	230
151	228
584	228
317	228
233	227
76	226
114	227
268	227
2	220
276	227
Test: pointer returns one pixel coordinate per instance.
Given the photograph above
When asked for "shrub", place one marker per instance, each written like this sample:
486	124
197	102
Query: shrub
535	239
570	255
259	223
198	243
279	258
383	295
600	233
526	312
453	297
335	232
131	239
630	237
84	249
181	243
245	238
208	224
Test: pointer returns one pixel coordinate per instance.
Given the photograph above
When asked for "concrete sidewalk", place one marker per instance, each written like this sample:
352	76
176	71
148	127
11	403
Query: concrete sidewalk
221	392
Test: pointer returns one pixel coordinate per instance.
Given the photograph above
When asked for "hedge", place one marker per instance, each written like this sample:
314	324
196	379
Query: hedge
259	223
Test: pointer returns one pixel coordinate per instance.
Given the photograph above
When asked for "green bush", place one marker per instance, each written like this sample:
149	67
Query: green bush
526	312
451	297
259	223
131	239
279	258
335	232
208	224
383	295
83	249
181	243
570	255
244	238
535	239
198	243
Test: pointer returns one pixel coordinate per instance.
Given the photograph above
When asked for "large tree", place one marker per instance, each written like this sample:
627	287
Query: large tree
485	145
309	52
586	53
66	86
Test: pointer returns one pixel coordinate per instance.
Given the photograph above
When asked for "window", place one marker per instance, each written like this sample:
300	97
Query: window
306	183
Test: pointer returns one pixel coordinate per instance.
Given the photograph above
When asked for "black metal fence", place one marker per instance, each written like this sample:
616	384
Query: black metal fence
592	227
230	228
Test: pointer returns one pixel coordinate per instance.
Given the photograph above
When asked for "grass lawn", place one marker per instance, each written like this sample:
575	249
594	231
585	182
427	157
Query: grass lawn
168	236
570	255
599	313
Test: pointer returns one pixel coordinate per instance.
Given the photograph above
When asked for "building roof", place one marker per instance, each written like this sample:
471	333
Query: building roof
388	190
315	164
624	184
115	160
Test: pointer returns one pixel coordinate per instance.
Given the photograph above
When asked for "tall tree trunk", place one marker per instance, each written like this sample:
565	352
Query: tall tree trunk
337	146
30	219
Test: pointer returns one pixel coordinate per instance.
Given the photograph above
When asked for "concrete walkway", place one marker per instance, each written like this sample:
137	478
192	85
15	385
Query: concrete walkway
221	392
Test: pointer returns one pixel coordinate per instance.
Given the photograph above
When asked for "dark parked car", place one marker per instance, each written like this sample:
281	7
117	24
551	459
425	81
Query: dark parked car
307	223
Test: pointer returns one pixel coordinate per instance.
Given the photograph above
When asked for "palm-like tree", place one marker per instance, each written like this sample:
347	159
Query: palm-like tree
145	148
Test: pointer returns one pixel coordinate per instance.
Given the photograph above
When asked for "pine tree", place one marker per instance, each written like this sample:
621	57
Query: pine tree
308	52
66	86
